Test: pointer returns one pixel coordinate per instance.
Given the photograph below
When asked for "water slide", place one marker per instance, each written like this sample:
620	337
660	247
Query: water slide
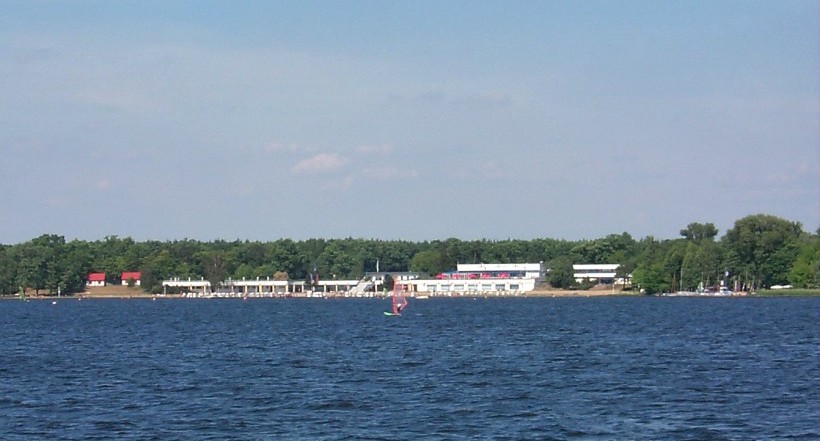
363	286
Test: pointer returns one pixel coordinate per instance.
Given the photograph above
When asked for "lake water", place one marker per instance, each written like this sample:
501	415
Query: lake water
448	369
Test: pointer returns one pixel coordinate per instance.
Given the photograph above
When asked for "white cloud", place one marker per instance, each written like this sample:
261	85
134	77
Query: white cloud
323	162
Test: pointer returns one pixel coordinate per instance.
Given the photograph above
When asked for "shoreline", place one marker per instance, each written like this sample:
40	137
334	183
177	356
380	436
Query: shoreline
123	292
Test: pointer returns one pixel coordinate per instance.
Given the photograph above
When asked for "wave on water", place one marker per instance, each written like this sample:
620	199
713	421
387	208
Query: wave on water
560	369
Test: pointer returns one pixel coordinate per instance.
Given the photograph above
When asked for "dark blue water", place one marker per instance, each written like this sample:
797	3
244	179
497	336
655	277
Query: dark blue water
449	369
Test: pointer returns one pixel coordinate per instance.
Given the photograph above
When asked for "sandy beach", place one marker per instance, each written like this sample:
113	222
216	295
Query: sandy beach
124	292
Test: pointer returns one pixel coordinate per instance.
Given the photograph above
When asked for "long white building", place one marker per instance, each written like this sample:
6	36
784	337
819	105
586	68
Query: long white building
536	271
601	273
194	286
482	279
468	279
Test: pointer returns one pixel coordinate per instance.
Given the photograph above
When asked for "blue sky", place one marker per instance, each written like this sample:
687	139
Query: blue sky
414	120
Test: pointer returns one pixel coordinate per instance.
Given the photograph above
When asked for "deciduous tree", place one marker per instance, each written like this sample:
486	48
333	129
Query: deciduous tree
762	246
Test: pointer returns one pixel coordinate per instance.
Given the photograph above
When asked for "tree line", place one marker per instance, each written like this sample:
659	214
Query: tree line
758	251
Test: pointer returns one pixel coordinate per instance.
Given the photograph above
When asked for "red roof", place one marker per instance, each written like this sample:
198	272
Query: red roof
133	275
96	277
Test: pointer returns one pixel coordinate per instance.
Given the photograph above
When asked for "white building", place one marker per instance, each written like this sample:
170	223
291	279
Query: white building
468	279
95	279
258	287
373	282
488	286
536	271
482	279
601	273
200	286
336	286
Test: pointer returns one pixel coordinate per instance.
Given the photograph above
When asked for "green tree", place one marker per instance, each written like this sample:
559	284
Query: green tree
672	263
337	260
284	257
8	271
805	272
245	271
561	274
427	262
651	279
624	271
41	264
112	256
158	268
593	251
75	265
698	232
763	248
544	250
701	264
214	264
451	252
504	251
395	256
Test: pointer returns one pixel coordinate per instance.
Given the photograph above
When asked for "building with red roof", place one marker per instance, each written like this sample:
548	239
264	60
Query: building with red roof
95	279
132	275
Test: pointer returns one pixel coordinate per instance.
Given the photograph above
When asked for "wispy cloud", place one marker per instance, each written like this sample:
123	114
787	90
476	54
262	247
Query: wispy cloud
323	162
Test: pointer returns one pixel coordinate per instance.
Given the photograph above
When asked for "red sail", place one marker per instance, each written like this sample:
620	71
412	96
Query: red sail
399	301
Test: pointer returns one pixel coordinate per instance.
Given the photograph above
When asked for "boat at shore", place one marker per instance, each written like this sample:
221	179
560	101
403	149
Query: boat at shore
720	293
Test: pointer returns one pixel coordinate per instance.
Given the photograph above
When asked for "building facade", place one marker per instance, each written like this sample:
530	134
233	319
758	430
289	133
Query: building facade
599	273
136	276
95	279
482	279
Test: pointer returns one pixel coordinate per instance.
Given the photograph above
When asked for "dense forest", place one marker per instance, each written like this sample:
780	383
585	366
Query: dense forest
758	251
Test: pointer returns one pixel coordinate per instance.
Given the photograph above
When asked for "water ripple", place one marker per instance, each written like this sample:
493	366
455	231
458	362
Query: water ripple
500	369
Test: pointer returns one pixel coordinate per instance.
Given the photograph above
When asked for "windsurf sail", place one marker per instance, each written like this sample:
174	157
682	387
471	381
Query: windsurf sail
399	301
